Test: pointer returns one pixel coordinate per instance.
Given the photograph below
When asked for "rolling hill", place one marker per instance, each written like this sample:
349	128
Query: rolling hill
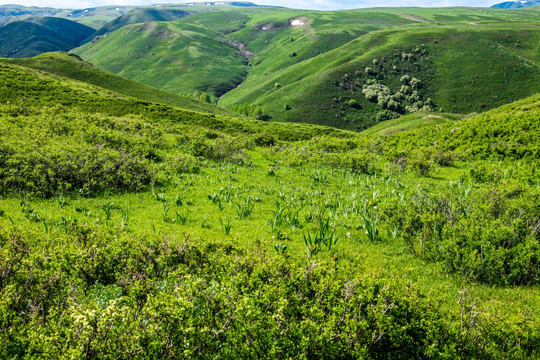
330	67
171	57
137	16
35	36
72	67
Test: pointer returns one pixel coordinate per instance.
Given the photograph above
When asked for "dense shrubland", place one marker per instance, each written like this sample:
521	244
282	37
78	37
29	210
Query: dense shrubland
84	295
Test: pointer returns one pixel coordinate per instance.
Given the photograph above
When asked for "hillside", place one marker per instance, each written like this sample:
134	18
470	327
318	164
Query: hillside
317	67
137	16
68	29
39	35
174	57
131	229
74	68
26	87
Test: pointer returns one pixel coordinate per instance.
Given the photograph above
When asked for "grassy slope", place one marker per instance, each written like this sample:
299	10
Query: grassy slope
71	67
68	29
408	122
333	44
137	16
212	197
174	58
22	39
510	49
38	35
30	87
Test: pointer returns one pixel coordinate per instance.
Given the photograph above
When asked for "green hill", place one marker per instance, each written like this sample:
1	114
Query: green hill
137	16
39	35
176	58
27	87
71	30
330	67
72	67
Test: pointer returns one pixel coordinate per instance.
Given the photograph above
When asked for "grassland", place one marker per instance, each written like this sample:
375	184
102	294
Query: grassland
201	59
314	72
135	229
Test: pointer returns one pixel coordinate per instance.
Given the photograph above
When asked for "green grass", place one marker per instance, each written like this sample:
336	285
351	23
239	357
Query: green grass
408	122
193	225
38	35
137	16
175	58
73	68
94	17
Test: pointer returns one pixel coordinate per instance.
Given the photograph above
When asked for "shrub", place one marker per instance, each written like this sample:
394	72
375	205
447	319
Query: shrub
376	92
354	104
386	115
405	79
421	162
415	83
444	158
185	164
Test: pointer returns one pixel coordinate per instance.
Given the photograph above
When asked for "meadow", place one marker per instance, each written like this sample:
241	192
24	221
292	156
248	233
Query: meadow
135	229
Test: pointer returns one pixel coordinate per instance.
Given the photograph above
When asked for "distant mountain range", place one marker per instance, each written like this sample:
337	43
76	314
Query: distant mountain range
38	35
516	4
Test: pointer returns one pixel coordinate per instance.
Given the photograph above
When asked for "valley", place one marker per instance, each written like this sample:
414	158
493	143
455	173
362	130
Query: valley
237	181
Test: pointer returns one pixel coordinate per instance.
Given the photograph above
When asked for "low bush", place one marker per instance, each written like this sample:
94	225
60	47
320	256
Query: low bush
496	241
95	294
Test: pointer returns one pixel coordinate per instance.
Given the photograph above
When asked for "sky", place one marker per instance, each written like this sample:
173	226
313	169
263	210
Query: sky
298	4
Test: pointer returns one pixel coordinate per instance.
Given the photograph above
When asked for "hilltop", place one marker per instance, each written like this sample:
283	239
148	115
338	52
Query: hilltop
72	67
93	17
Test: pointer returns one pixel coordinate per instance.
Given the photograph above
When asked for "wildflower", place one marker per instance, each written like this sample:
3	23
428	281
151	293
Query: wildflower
371	203
348	235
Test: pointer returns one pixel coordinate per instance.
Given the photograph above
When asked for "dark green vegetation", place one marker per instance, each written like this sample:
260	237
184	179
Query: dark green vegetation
348	69
130	229
38	35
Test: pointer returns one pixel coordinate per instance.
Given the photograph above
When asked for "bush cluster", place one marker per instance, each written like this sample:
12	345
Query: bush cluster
102	295
56	150
492	237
